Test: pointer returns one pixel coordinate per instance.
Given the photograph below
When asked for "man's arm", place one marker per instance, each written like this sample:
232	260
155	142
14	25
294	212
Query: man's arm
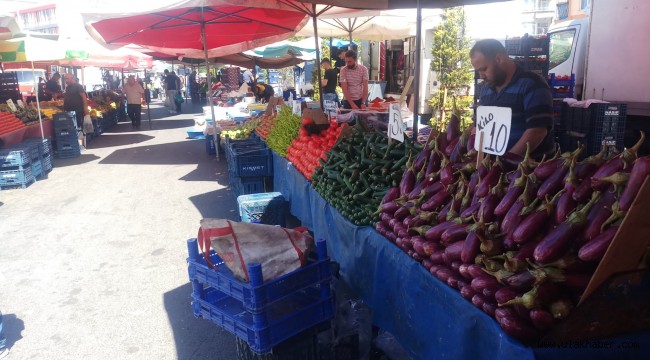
364	94
534	136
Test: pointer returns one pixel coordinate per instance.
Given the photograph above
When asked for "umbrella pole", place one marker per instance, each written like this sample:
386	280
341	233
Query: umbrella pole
38	105
145	99
208	78
416	92
314	18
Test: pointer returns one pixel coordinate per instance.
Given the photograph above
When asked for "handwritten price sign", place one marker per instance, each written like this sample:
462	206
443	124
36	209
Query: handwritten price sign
493	124
395	123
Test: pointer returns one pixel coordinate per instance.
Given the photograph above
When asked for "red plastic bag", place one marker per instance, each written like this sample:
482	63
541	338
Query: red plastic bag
279	250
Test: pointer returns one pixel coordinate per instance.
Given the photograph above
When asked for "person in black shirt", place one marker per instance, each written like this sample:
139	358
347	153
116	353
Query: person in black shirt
329	81
340	60
173	86
262	92
75	99
52	88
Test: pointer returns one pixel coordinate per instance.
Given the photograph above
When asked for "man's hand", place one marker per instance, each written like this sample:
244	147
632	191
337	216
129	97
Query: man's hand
363	106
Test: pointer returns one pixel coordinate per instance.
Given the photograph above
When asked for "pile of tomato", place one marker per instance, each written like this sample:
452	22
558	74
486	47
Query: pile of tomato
265	126
9	122
306	150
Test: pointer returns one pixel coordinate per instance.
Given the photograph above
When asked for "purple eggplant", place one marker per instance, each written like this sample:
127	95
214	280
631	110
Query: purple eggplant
547	168
566	204
535	221
558	240
640	171
381	228
491	179
514	191
436	258
453	127
542	319
467	292
595	249
390	207
430	190
454	250
471	247
438	199
586	168
419	186
478	300
491	201
480	283
391	195
518	328
430	248
505	294
554	182
453	234
601	211
407	183
444	273
616	164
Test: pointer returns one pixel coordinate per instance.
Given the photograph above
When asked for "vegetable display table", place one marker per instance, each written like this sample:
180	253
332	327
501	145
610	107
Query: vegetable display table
430	319
32	131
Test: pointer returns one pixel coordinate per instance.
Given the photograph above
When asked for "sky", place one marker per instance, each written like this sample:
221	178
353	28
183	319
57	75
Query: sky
496	20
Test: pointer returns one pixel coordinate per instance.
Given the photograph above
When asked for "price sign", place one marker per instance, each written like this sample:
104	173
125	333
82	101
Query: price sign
297	108
330	107
395	123
278	108
493	123
20	103
11	105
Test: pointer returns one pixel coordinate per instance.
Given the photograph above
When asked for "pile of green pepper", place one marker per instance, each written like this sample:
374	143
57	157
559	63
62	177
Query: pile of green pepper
286	128
359	170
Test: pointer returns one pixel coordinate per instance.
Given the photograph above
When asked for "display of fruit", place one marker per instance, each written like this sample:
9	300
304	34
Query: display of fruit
9	122
308	148
265	126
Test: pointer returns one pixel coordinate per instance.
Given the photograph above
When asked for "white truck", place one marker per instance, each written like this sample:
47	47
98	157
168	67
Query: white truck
608	52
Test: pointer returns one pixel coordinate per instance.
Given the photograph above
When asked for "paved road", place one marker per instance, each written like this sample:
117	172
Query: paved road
92	259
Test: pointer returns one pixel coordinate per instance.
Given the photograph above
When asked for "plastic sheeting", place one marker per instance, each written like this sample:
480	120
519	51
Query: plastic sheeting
429	319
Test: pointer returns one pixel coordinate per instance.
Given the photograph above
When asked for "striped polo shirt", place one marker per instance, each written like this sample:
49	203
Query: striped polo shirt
355	79
531	101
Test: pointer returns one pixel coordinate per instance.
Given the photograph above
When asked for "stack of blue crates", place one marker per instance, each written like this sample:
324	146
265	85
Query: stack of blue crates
250	165
65	135
263	314
44	151
20	165
264	208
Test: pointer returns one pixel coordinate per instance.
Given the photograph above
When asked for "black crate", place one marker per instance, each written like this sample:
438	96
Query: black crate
596	126
65	120
527	46
303	346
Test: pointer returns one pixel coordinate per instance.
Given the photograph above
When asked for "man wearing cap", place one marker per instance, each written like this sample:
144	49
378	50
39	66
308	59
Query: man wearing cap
134	99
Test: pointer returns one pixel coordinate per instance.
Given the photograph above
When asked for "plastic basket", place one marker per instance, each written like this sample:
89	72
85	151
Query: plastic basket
38	171
210	147
247	185
527	46
256	296
14	156
595	126
47	162
22	177
264	208
65	120
303	346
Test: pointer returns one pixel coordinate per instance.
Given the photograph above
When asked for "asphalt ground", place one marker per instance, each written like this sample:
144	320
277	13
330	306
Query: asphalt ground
92	258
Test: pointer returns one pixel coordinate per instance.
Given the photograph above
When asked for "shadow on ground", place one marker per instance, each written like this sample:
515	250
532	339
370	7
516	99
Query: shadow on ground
219	204
12	328
110	140
196	338
182	152
84	158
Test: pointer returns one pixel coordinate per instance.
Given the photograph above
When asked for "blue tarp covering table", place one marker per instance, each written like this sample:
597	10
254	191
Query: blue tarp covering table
430	319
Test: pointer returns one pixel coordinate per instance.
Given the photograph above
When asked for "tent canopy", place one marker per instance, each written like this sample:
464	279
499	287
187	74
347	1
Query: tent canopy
28	48
176	26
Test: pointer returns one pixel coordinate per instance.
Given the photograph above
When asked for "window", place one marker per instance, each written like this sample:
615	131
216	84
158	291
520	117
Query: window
584	4
561	44
544	5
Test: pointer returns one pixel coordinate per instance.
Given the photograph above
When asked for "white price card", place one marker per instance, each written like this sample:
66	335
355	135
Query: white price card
297	108
20	103
395	123
493	124
330	107
278	108
11	105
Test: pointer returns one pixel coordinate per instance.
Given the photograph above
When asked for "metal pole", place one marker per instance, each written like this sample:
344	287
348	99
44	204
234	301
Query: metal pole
145	98
314	18
38	105
209	78
418	50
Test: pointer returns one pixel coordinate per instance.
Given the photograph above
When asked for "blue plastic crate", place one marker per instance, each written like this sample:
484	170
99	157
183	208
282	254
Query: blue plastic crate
210	147
195	134
67	150
30	148
265	208
247	185
22	177
38	171
65	120
298	306
44	145
47	162
14	156
285	319
256	297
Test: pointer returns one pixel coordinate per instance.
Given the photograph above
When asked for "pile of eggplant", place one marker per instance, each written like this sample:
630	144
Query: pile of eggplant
521	239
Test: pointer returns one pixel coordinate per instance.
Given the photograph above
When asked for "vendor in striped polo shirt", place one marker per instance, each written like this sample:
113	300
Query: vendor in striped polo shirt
526	93
354	82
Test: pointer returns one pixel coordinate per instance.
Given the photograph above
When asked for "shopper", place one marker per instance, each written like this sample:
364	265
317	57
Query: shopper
181	77
248	77
262	92
172	84
526	93
354	82
75	99
194	88
4	351
328	82
134	99
53	88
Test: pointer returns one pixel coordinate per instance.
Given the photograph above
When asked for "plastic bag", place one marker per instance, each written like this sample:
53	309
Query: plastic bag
88	126
279	250
179	98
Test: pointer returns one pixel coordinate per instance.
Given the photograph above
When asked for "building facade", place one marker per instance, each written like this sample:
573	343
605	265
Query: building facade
572	9
39	19
537	16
